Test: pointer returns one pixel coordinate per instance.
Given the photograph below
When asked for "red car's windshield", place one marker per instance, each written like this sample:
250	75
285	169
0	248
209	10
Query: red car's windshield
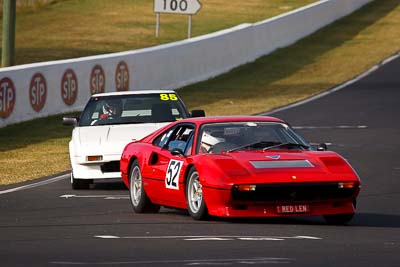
235	136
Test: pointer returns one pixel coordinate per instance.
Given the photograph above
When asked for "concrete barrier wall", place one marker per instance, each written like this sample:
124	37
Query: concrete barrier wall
43	89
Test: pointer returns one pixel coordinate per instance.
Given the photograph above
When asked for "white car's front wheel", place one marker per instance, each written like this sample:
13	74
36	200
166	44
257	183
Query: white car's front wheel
79	183
139	200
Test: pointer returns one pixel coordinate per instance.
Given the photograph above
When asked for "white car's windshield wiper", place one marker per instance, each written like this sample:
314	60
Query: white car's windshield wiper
286	145
128	122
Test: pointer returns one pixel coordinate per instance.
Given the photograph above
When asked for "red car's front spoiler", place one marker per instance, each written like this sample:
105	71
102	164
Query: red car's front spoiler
220	203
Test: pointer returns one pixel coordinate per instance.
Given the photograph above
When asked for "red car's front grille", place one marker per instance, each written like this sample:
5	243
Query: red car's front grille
294	192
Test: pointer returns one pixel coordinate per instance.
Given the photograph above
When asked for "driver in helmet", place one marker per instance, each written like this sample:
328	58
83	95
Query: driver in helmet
208	141
111	110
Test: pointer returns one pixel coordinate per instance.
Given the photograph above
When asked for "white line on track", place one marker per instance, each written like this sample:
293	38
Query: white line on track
213	238
241	261
331	127
49	181
108	197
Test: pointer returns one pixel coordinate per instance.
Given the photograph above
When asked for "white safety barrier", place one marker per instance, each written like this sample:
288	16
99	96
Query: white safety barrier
43	89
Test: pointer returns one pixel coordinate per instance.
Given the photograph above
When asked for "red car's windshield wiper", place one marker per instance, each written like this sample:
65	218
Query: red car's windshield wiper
286	145
260	144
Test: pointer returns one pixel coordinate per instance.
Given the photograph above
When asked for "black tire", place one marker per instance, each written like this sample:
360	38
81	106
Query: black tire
339	219
194	196
78	184
139	200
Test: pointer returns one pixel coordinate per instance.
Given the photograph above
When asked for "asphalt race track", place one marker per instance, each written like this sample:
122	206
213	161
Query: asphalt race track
52	225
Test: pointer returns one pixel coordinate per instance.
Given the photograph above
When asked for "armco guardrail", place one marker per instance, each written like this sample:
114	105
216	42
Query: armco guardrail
38	90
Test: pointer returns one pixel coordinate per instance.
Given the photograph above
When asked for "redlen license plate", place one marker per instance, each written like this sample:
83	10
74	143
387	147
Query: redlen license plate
293	209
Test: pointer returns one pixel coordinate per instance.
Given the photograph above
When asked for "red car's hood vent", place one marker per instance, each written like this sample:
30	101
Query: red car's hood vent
271	164
259	161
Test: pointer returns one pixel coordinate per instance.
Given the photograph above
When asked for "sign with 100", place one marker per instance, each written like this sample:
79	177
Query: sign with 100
187	7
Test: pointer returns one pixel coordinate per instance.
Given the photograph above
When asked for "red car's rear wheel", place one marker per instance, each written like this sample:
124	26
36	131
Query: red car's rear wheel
139	200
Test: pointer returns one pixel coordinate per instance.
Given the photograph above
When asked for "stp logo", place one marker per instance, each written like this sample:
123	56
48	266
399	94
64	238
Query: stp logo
7	97
122	76
69	87
38	91
97	80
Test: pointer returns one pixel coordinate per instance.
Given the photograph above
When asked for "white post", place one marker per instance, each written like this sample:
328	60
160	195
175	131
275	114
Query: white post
190	27
157	24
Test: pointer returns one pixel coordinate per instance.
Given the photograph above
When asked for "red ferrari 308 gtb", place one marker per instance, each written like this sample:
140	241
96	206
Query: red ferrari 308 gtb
247	166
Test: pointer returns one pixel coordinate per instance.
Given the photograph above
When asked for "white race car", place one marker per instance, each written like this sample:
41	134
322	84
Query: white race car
109	122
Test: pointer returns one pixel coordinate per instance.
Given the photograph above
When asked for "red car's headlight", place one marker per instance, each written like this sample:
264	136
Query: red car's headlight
246	187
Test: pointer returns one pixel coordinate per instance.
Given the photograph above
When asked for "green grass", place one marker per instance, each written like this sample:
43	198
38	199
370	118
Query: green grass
317	63
33	149
77	28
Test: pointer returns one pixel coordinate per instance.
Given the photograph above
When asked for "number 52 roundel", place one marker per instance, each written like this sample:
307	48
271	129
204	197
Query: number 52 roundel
172	174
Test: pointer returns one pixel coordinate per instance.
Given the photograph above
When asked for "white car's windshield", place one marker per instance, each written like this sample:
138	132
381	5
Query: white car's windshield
236	136
135	108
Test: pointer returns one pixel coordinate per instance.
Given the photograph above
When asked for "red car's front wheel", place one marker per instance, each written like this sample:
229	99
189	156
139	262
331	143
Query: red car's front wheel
194	196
